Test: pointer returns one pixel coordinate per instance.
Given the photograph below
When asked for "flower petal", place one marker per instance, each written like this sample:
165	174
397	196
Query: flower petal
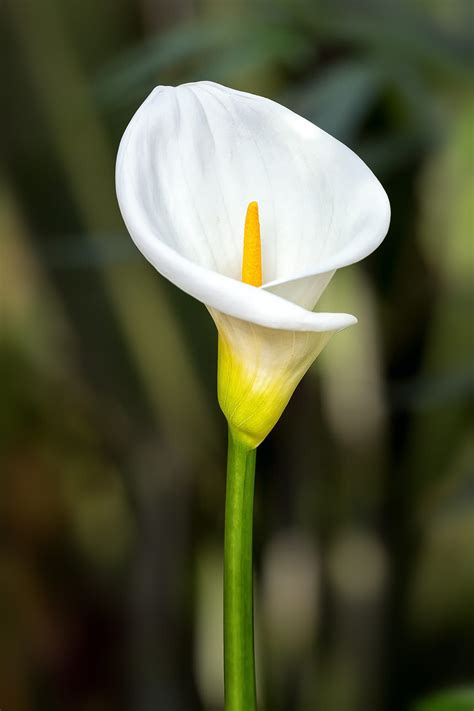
304	291
194	156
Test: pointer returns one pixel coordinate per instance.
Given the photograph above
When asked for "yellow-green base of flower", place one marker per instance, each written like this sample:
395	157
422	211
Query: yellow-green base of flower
258	371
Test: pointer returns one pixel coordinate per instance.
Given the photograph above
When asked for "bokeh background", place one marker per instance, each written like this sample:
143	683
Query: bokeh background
113	448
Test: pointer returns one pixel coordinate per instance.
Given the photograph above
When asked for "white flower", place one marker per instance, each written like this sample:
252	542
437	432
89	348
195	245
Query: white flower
190	162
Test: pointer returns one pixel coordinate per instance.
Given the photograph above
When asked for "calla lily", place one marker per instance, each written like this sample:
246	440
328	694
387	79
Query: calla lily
190	163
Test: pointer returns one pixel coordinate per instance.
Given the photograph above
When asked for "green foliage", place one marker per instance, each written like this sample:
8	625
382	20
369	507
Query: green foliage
103	367
340	99
454	700
213	49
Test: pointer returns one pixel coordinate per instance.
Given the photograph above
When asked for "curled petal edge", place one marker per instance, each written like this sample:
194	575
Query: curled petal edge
217	291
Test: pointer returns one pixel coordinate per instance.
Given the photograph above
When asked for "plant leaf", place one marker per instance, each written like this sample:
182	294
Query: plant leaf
453	700
339	100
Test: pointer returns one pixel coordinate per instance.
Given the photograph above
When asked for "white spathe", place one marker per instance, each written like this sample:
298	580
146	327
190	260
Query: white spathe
191	160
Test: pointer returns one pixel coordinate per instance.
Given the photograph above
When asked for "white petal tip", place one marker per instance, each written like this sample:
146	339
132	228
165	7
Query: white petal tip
329	322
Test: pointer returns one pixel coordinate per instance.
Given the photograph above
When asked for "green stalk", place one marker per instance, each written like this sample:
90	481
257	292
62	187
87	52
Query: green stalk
239	662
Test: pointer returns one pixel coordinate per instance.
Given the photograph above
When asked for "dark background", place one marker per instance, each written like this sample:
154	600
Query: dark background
113	447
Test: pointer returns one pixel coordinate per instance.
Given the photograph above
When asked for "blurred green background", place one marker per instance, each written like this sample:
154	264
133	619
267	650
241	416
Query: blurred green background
113	447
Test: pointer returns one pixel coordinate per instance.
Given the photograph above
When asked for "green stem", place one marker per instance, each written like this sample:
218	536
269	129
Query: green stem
239	664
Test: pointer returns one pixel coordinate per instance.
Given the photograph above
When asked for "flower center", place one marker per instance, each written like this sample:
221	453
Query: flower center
252	252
